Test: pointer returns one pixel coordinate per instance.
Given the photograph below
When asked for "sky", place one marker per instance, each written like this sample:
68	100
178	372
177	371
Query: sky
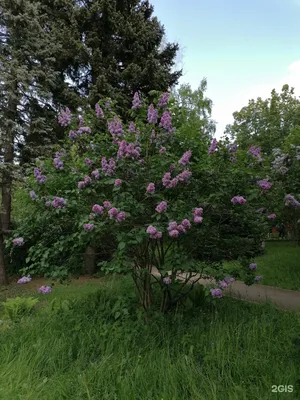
245	48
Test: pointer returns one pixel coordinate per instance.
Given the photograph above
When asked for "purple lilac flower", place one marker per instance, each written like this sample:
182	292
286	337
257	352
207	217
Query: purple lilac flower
97	209
106	204
161	207
185	159
129	150
131	127
163	100
166	121
151	188
167	280
198	211
253	266
136	102
264	184
99	112
238	200
33	195
181	228
255	151
258	278
87	180
153	232
88	227
118	182
88	162
39	177
65	117
58	163
223	284
271	217
186	224
84	129
198	220
121	216
58	202
72	135
152	115
232	148
172	167
45	289
291	201
81	185
24	279
108	168
172	226
18	241
95	174
115	128
184	176
80	120
216	293
162	150
113	212
228	280
213	146
174	233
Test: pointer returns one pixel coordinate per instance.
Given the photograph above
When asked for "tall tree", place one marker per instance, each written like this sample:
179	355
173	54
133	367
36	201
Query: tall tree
266	123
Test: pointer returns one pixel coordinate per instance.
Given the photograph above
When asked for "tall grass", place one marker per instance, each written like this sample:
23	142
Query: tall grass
93	344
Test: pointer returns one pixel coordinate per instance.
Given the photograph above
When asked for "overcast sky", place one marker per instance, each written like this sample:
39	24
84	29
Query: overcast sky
244	48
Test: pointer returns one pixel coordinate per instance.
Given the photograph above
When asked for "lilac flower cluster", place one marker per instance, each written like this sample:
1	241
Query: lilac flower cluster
291	201
38	175
33	195
115	128
136	102
58	163
99	111
168	182
117	215
58	202
175	229
45	289
161	207
131	128
216	293
95	174
238	200
258	278
108	168
72	135
264	184
152	115
185	159
81	120
150	188
198	212
65	117
18	241
253	266
166	121
128	150
84	129
97	209
163	100
255	151
88	227
153	232
118	182
88	162
213	146
162	150
279	163
271	217
24	279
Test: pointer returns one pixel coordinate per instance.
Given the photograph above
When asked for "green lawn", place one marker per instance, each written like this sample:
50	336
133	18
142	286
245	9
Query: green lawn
280	266
79	347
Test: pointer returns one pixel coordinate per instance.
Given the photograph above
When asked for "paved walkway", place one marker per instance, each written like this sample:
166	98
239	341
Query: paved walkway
281	298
